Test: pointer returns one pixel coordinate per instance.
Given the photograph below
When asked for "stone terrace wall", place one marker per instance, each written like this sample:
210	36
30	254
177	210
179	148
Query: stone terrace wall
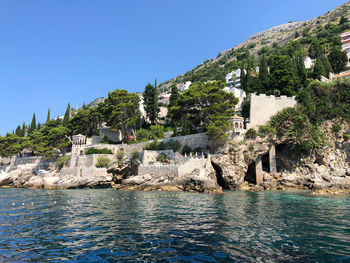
151	156
158	170
87	160
193	140
262	107
38	162
83	172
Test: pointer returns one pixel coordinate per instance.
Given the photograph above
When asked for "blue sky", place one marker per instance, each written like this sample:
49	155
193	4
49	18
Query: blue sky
59	51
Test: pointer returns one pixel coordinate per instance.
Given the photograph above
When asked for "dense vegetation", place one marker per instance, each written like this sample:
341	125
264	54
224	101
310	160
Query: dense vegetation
300	126
205	106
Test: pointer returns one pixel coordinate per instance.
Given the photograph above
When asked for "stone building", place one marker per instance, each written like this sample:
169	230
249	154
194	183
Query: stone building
263	107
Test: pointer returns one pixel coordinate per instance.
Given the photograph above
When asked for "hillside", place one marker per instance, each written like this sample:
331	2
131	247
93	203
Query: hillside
230	59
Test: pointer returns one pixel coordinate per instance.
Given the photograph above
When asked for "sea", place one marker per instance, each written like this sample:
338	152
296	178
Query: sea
105	225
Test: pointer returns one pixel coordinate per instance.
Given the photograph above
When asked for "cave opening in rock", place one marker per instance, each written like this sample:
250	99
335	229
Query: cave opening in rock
219	178
250	175
284	152
265	161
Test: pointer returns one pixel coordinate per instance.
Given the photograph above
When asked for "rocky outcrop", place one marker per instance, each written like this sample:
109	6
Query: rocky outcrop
32	178
329	169
197	180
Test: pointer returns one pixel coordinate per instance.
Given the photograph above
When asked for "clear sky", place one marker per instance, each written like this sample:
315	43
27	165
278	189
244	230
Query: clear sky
59	51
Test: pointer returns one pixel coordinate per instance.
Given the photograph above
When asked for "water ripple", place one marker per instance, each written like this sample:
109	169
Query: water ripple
109	226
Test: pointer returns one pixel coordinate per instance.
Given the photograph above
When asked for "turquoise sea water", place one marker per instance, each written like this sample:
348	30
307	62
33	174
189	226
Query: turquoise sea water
112	226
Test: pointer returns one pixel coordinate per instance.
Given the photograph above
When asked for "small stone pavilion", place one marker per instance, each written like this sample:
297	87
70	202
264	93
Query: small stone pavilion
79	140
237	126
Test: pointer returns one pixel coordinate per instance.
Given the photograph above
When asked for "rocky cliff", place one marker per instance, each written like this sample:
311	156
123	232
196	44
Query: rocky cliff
328	169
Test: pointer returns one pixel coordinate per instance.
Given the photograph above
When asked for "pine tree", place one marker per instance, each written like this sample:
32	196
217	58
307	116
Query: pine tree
318	69
264	73
38	127
66	115
48	116
338	59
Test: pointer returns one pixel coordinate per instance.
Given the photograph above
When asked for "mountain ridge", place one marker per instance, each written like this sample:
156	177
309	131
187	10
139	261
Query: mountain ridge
279	34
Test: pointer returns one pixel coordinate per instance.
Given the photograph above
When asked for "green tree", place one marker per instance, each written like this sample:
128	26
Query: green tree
150	97
318	69
243	79
315	49
32	125
173	97
48	116
18	131
66	116
263	73
23	132
121	111
343	20
38	144
86	121
157	131
327	66
338	59
283	75
205	104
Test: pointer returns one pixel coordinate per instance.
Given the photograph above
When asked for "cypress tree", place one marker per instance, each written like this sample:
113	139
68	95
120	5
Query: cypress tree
18	131
318	69
301	69
32	125
173	97
38	127
315	49
264	73
327	66
155	101
150	97
66	115
48	116
23	132
243	80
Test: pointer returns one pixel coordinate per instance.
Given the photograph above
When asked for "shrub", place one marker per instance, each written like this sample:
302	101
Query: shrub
62	161
142	135
251	147
336	128
250	134
120	156
98	151
155	145
103	162
162	158
186	150
157	131
134	156
266	130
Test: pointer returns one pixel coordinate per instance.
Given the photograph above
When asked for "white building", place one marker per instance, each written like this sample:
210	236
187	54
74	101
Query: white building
238	93
233	79
308	62
345	41
183	86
